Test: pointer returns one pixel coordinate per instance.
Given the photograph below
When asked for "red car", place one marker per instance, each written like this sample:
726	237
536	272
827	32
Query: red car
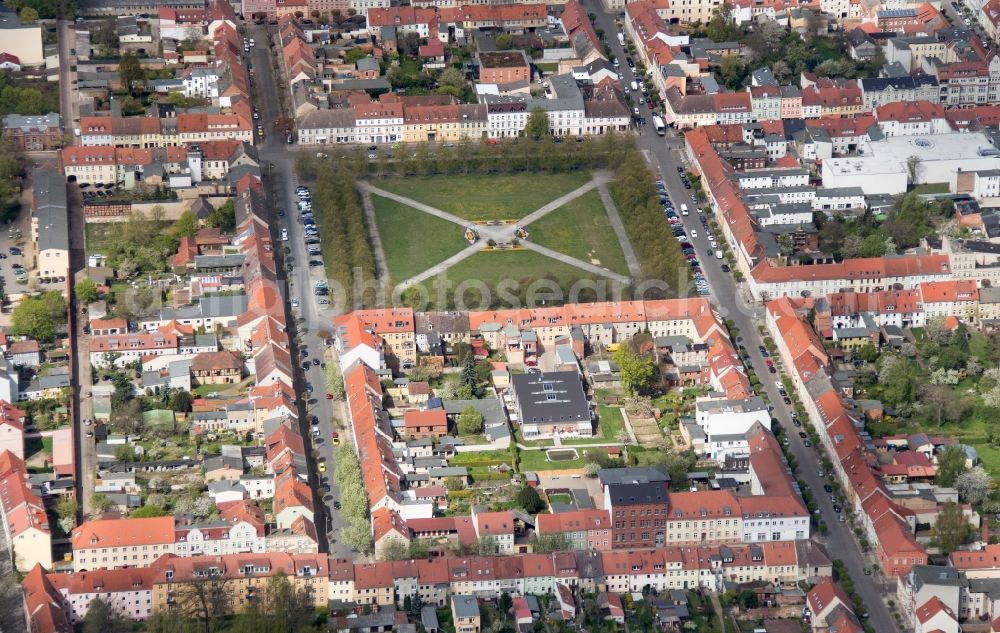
329	396
769	362
335	434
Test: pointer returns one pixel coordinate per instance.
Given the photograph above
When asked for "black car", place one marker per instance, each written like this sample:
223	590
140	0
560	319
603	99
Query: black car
725	268
828	488
316	361
787	400
336	505
803	435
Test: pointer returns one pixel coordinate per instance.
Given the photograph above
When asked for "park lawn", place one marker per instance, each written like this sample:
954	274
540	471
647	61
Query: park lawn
581	229
486	197
99	235
520	267
413	241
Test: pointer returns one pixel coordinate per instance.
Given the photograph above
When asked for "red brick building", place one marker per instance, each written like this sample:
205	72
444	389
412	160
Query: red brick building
503	67
34	133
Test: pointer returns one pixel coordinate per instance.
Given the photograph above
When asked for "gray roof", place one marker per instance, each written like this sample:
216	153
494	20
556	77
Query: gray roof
639	474
935	575
465	606
50	209
429	618
450	471
556	396
490	408
28	123
212	306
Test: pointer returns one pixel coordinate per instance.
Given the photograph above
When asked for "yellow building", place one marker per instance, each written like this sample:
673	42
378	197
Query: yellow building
243	578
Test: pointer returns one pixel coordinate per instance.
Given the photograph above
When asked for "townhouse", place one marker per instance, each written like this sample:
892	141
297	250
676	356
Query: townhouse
119	543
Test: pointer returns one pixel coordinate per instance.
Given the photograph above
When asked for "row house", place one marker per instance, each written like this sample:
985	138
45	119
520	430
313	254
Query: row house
23	515
138	593
836	423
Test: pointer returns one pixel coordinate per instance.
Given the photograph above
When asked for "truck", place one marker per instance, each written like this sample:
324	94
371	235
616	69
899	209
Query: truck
658	124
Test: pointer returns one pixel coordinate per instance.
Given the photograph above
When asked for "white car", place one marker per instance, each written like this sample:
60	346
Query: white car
284	235
694	233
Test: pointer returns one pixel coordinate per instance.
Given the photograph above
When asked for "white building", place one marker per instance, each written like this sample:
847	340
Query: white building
218	538
884	166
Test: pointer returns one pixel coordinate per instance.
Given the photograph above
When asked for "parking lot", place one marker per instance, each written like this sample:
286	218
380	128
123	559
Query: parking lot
16	235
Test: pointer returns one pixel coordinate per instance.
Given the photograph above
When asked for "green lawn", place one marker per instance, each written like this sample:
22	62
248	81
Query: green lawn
581	229
932	187
486	197
519	267
611	422
537	460
562	498
203	390
413	241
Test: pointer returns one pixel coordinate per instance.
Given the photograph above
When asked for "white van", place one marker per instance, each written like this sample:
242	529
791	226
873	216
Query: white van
718	254
684	209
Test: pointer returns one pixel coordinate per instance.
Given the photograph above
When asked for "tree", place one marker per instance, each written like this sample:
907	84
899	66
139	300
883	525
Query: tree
529	499
186	225
470	421
785	244
223	217
128	417
180	401
868	353
747	599
468	377
951	464
914	168
28	15
395	549
205	600
504	604
952	529
721	27
504	41
453	483
486	545
354	55
636	373
537	124
67	507
39	317
125	453
103	618
334	381
86	291
974	486
130	72
548	543
148	511
452	77
733	71
100	503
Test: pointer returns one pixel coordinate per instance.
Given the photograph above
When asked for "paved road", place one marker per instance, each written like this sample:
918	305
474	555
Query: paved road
666	154
69	108
311	319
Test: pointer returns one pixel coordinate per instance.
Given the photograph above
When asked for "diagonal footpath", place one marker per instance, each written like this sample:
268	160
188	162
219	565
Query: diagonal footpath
383	269
465	253
562	200
619	228
506	232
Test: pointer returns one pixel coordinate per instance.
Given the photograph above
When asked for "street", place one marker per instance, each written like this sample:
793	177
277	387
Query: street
666	156
312	323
